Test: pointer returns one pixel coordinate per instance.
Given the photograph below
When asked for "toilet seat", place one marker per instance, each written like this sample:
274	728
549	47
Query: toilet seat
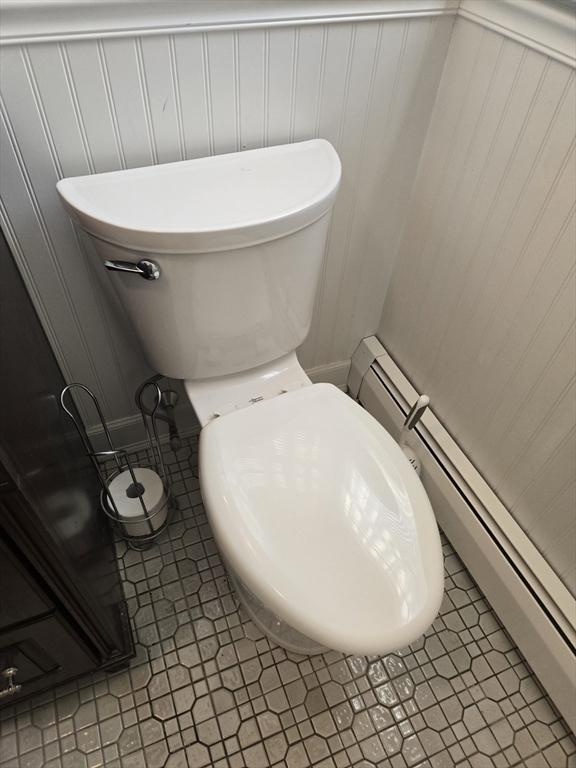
320	514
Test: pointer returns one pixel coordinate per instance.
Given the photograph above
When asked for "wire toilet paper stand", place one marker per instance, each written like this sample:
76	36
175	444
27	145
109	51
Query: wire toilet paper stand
136	498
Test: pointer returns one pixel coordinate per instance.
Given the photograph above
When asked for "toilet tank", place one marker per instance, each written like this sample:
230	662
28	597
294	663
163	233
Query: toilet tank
238	240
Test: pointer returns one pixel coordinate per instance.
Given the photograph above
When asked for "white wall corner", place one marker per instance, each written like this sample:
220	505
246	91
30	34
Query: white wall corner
546	26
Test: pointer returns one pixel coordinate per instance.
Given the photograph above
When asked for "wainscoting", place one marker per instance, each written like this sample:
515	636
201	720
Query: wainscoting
79	96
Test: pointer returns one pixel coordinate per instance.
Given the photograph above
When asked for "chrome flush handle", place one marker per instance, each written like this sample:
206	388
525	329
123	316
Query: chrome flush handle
146	269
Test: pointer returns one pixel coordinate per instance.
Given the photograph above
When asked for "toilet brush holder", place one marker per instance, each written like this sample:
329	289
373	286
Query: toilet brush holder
136	498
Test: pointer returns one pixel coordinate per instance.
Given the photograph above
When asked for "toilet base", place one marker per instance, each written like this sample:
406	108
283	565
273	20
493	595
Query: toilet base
277	630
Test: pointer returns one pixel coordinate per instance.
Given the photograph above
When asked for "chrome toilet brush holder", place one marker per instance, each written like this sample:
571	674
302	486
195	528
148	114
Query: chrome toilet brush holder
136	498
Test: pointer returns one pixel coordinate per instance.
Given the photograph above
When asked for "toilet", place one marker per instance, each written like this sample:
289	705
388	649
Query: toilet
324	526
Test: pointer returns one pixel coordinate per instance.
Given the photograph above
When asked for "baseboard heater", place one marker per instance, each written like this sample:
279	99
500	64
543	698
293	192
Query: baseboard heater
534	605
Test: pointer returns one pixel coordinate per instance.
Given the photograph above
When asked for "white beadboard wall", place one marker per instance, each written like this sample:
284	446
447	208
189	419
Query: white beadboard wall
74	104
480	312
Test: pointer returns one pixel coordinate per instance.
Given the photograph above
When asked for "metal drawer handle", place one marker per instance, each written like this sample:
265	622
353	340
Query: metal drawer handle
8	674
146	269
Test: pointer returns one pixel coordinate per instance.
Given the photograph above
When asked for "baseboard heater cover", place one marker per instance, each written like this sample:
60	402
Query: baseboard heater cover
532	602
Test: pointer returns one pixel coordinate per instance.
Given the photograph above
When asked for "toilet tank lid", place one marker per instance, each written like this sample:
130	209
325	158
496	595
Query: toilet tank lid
211	203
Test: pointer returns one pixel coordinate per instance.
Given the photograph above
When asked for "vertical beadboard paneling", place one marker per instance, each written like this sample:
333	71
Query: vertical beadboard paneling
251	64
21	212
481	308
162	97
307	78
279	66
30	136
407	79
337	54
361	62
222	63
121	62
52	81
93	105
193	95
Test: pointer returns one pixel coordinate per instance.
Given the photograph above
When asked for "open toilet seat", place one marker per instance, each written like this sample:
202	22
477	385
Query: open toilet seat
318	512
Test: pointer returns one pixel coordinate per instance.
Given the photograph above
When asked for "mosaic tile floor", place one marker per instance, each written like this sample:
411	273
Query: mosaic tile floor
208	689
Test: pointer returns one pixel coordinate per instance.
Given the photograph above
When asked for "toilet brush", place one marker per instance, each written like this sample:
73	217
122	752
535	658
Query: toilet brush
414	416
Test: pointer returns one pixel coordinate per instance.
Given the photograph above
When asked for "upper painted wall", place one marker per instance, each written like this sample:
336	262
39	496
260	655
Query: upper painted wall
92	91
481	310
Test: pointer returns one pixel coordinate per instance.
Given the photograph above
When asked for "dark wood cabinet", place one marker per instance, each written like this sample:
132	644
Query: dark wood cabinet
20	598
45	652
62	611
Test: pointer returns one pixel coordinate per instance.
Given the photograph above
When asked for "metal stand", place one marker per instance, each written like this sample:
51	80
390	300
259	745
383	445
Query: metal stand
164	411
136	499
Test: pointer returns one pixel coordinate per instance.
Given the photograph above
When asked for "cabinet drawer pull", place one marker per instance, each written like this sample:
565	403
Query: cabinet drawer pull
9	674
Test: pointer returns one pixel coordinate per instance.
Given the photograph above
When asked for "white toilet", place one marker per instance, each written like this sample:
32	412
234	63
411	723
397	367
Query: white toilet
326	529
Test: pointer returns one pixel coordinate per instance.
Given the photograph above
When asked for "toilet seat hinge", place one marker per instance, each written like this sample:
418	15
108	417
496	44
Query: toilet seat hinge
232	406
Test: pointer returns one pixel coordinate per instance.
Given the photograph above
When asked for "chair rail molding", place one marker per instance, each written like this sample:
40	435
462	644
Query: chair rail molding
544	25
29	21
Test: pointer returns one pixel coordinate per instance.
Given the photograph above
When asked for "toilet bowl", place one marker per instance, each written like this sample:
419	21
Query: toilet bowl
326	530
